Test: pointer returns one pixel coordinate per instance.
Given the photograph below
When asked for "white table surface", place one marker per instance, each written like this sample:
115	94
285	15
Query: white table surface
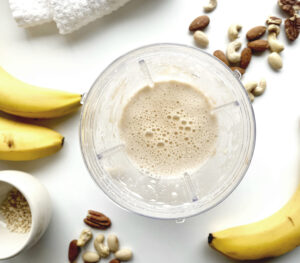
43	57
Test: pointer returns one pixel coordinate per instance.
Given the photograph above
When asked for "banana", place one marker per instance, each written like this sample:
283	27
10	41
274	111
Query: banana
271	237
23	142
24	100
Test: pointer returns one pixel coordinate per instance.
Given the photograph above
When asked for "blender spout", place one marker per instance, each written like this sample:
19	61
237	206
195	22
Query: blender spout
225	106
190	187
145	70
110	151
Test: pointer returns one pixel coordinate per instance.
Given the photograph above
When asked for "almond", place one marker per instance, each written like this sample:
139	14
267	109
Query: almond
258	45
241	70
199	23
246	57
256	32
74	251
221	55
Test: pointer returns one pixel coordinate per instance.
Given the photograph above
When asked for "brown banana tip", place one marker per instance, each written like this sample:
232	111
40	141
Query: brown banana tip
210	238
62	141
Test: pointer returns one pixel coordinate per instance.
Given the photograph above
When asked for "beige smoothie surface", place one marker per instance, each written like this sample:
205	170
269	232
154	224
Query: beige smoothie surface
168	129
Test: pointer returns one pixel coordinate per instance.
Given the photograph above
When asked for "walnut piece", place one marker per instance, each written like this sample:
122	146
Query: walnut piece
273	20
292	27
290	6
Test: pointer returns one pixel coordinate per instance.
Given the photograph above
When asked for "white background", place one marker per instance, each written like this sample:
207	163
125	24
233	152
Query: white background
43	57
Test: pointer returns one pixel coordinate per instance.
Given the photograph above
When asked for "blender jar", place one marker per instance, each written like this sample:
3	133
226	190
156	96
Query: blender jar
167	197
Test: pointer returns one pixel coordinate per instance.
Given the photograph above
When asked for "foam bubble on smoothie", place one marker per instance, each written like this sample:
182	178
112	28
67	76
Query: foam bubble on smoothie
168	129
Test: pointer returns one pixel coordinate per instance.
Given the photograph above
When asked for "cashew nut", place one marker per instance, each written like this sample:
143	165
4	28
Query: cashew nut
275	60
211	6
275	45
201	39
85	236
124	254
260	89
250	86
233	31
90	257
251	97
231	52
100	238
113	243
274	29
102	250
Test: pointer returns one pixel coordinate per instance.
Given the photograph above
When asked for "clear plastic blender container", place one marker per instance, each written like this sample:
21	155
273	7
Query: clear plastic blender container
167	197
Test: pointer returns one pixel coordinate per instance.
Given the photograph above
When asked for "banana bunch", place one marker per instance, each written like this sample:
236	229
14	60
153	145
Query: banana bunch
271	237
20	141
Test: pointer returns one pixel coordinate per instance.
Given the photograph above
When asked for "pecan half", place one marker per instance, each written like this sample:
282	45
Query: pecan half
292	27
97	220
289	6
273	20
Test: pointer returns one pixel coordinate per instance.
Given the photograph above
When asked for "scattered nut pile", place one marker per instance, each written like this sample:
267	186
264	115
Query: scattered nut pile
16	212
239	61
98	220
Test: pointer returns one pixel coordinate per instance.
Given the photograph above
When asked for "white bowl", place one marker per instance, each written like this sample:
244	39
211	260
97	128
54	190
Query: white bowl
39	202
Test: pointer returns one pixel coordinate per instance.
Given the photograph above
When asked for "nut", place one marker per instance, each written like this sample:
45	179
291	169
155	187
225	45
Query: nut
259	45
85	236
256	32
97	220
241	70
221	55
231	51
102	250
251	97
275	45
211	6
249	86
233	31
74	251
113	243
292	27
201	39
273	20
90	257
260	89
289	6
199	23
275	60
100	238
115	261
124	254
274	29
246	56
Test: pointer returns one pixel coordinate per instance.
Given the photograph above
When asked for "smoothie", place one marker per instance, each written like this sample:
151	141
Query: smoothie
169	129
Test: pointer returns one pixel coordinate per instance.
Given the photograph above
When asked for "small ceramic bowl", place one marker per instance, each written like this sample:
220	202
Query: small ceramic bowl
40	206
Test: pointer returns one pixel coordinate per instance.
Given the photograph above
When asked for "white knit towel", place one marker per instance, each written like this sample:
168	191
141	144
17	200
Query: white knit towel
69	15
29	13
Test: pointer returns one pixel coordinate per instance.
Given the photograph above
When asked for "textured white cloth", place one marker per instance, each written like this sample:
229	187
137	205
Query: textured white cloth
69	15
29	13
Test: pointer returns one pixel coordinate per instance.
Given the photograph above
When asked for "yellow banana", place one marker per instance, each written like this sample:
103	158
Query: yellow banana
22	142
21	99
271	237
